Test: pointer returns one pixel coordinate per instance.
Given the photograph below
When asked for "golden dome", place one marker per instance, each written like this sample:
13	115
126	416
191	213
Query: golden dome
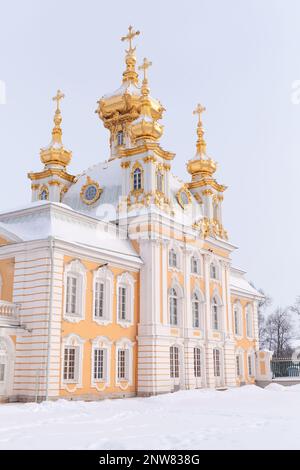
145	126
201	165
123	106
55	153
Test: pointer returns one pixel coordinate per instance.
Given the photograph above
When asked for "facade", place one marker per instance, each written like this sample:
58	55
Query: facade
118	281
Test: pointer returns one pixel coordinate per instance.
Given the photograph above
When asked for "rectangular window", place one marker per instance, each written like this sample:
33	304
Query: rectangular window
70	363
2	372
99	300
197	362
217	368
122	303
250	366
99	355
174	362
238	365
71	296
122	364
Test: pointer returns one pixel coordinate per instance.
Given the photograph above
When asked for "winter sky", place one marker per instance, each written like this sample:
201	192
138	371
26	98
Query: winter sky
241	59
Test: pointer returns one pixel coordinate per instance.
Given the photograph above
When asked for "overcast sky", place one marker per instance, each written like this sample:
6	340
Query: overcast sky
238	58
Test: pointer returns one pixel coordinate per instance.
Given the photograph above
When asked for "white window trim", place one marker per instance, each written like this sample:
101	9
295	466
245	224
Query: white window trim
201	301
124	343
101	342
240	353
179	292
176	268
72	340
104	275
251	355
77	269
238	305
220	312
126	280
247	307
218	271
199	271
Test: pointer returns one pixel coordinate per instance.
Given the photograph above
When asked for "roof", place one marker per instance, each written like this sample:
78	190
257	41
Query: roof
108	175
240	284
45	219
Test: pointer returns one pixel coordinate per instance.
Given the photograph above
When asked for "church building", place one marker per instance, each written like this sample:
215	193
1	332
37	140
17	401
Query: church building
118	281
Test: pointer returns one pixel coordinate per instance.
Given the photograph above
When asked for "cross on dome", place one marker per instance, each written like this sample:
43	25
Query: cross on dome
199	110
59	96
129	37
145	65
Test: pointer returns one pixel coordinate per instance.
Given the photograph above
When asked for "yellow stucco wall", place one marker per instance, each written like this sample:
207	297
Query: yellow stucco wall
7	267
88	330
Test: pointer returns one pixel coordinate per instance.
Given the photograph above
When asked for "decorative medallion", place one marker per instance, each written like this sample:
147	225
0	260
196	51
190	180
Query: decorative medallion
90	191
183	197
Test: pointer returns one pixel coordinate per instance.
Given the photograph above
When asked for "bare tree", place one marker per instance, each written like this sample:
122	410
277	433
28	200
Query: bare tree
278	332
262	306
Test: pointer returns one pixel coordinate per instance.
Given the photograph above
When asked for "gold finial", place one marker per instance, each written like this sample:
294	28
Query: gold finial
59	96
145	65
129	37
57	132
130	74
201	144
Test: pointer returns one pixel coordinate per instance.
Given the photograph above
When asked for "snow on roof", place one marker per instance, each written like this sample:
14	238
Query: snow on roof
238	282
45	219
126	87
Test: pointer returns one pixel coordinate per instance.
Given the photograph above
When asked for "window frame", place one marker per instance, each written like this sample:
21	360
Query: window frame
197	362
217	363
249	320
174	362
126	280
128	346
75	269
173	300
237	318
105	276
215	313
137	179
197	299
72	341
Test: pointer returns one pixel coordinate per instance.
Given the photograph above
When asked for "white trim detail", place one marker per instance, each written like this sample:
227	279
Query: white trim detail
75	270
105	276
125	281
75	341
126	345
101	342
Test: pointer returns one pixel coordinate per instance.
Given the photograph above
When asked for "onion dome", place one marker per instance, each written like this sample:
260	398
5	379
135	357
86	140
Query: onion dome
55	154
201	165
145	126
118	109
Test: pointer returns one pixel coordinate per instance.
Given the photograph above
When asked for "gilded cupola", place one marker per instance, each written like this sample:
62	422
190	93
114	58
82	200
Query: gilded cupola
55	154
201	165
145	127
120	108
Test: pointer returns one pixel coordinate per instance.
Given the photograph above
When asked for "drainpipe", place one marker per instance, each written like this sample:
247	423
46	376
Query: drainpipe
51	251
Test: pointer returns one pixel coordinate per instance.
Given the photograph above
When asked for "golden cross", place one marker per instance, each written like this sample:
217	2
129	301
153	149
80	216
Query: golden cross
145	65
59	96
199	110
131	34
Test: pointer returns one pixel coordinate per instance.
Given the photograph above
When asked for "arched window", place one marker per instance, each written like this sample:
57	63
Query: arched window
173	306
159	181
215	313
196	310
237	318
103	292
213	271
249	321
173	258
250	364
44	194
195	265
120	138
137	179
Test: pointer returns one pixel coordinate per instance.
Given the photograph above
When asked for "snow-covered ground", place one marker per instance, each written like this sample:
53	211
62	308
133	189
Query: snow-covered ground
244	418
